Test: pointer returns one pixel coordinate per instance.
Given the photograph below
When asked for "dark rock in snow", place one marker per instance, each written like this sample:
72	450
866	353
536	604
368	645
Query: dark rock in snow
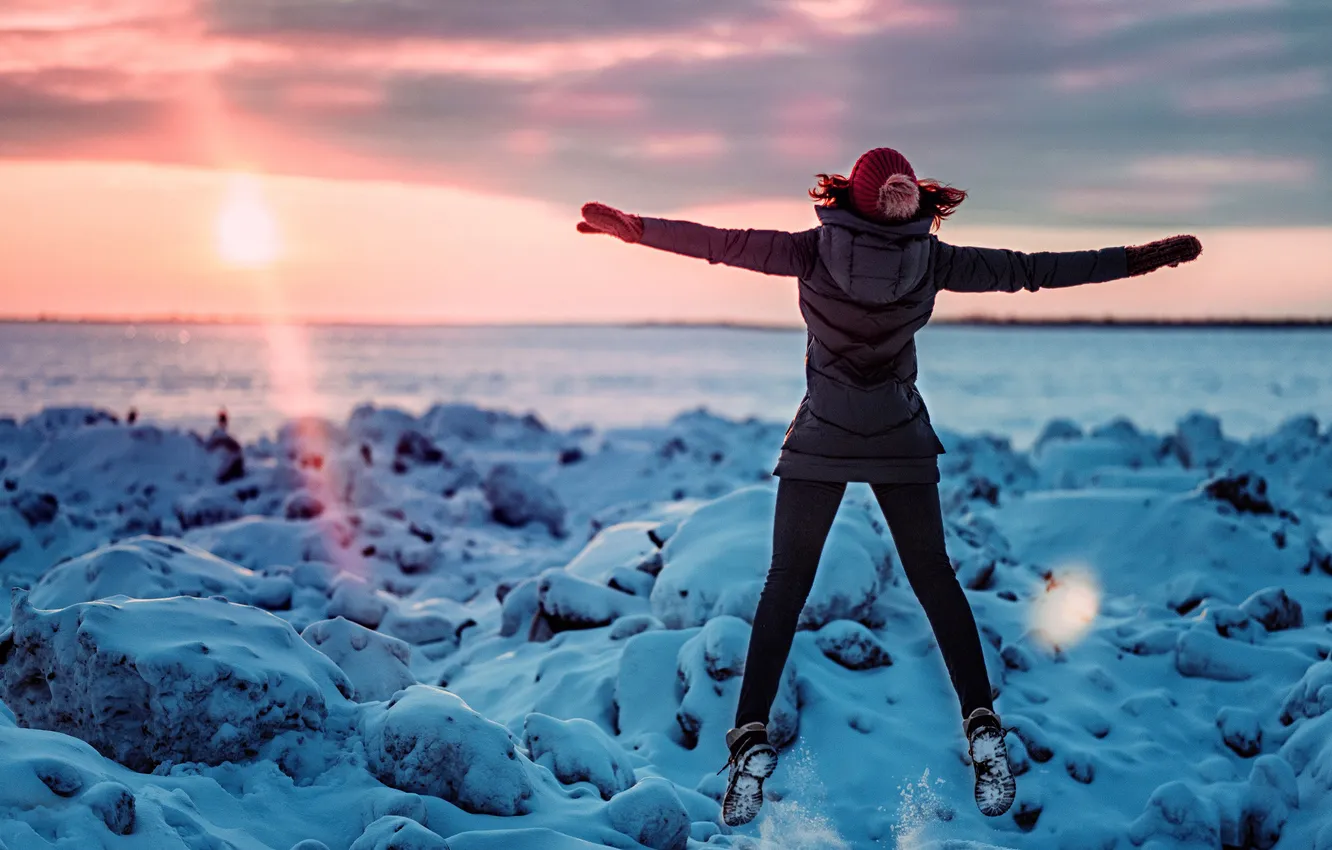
852	645
1079	767
61	777
1240	730
302	505
1246	493
36	508
414	448
568	602
1175	812
1058	429
517	498
114	804
1274	609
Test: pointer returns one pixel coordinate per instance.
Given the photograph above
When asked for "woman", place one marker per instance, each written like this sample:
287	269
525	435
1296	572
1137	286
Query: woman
868	276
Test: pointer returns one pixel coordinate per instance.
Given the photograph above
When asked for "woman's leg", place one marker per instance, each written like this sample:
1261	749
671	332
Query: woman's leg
916	522
805	512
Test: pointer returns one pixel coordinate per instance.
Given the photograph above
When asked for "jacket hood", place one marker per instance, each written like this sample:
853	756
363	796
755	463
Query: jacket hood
870	261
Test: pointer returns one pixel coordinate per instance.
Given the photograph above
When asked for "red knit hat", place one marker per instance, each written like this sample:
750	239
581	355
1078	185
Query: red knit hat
883	186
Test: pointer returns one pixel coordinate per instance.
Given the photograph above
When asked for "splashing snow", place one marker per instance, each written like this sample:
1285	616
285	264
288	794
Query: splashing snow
919	806
799	821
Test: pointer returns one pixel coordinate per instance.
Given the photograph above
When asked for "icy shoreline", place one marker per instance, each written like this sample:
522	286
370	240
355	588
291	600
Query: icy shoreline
522	637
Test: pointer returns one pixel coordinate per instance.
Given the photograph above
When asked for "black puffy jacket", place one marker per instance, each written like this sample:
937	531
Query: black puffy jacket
865	289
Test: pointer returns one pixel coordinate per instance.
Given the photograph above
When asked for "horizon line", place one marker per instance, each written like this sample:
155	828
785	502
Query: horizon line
963	321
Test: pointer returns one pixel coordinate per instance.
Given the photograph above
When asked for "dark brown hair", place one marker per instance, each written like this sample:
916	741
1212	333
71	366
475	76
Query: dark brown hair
937	200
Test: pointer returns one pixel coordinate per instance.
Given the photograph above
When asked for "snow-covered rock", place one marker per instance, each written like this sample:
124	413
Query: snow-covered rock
567	602
165	680
427	621
156	568
1175	812
651	814
852	645
377	665
353	598
716	563
393	832
1275	609
577	750
516	499
259	542
428	741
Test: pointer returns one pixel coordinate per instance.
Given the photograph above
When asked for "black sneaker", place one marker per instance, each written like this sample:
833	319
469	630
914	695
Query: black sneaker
752	760
995	785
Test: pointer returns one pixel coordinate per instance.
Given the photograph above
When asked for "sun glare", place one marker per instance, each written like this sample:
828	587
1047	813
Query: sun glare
247	234
1066	608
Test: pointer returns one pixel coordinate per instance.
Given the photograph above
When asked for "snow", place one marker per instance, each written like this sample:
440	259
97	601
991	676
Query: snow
376	664
577	750
164	680
651	813
453	630
428	741
693	587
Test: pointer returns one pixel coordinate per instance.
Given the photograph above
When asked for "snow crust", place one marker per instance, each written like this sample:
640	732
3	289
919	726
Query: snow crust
469	630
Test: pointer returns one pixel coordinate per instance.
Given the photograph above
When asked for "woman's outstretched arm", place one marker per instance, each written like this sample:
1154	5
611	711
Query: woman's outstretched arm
965	269
769	251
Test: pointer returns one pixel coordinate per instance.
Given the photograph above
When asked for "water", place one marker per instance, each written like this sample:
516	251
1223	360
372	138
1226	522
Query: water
1002	380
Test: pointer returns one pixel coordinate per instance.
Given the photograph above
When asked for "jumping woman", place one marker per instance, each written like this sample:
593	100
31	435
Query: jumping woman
868	276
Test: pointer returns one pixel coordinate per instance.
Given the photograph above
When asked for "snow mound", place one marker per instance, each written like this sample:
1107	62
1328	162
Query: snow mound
166	680
428	621
516	499
710	665
651	814
428	741
852	645
566	602
393	832
259	542
376	664
577	750
519	839
715	564
156	568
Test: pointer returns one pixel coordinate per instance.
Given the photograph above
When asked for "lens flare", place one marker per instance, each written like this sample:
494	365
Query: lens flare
1064	610
247	234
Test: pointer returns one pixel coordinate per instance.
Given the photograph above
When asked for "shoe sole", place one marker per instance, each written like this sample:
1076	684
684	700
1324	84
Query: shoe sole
744	793
995	793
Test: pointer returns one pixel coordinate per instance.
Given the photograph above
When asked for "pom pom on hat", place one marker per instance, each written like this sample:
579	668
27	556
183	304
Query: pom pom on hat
883	186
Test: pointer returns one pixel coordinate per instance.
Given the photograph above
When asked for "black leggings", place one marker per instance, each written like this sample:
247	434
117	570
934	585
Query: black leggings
805	511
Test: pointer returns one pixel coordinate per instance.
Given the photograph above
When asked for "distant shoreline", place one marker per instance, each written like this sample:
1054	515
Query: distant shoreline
974	321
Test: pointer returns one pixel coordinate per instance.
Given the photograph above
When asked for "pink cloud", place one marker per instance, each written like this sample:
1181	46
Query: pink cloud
332	95
677	147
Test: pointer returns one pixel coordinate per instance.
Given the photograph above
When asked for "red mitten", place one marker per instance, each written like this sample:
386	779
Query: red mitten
599	218
1162	252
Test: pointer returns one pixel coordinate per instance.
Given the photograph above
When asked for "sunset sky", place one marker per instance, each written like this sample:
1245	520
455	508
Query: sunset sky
424	160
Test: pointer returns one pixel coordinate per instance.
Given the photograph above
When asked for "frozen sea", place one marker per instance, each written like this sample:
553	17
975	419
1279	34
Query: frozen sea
976	379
